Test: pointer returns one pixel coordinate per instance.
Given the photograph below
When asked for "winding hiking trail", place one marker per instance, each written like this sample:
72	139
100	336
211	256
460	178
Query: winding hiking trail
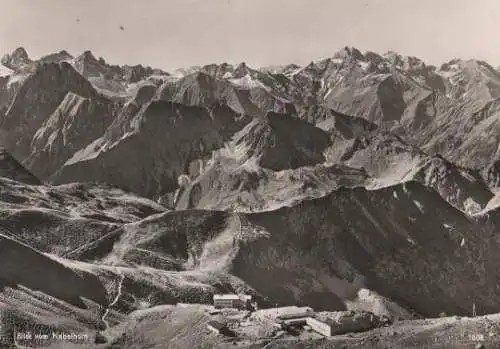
116	299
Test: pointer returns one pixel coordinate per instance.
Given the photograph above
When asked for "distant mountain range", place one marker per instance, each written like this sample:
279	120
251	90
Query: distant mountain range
296	184
88	111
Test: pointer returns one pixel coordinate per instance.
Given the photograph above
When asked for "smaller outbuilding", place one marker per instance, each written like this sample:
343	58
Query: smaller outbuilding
219	328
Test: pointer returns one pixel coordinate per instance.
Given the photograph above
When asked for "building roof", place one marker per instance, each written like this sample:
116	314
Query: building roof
274	313
329	321
305	314
226	297
294	320
243	297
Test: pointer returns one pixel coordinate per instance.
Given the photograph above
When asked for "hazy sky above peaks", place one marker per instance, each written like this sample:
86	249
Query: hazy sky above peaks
171	34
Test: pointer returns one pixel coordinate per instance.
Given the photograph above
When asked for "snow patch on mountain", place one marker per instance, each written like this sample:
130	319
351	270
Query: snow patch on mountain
419	205
471	206
4	71
328	93
249	82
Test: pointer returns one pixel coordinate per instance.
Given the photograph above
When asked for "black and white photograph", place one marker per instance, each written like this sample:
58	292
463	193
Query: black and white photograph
249	174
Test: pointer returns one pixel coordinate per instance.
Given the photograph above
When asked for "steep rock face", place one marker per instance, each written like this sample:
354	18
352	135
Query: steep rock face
75	123
269	102
159	146
281	142
88	65
273	162
245	95
388	89
5	96
91	67
413	67
40	94
467	134
136	73
10	82
463	188
383	155
389	160
61	56
218	71
343	125
237	177
227	185
123	122
492	174
381	98
12	169
471	79
197	89
17	60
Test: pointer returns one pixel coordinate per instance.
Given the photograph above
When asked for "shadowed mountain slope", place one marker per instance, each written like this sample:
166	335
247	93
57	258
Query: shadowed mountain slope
12	169
23	266
321	252
159	147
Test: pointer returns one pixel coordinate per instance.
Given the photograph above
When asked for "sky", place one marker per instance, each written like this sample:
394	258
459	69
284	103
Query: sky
171	34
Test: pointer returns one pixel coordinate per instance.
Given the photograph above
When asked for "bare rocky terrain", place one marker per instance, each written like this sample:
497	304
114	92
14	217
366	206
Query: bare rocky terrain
362	182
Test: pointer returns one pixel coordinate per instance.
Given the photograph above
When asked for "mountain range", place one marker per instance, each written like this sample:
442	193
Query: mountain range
127	190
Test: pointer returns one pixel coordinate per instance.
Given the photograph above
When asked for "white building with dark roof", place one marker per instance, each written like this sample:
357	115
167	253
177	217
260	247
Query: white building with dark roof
323	326
241	301
343	322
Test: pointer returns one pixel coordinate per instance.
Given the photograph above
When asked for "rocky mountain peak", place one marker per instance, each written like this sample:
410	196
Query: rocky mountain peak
457	64
64	52
60	56
373	57
241	70
88	57
226	65
88	65
450	64
414	62
17	59
393	56
349	52
220	71
277	141
20	54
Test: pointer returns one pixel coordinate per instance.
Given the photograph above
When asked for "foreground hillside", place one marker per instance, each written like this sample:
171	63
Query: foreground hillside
61	219
312	253
315	254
